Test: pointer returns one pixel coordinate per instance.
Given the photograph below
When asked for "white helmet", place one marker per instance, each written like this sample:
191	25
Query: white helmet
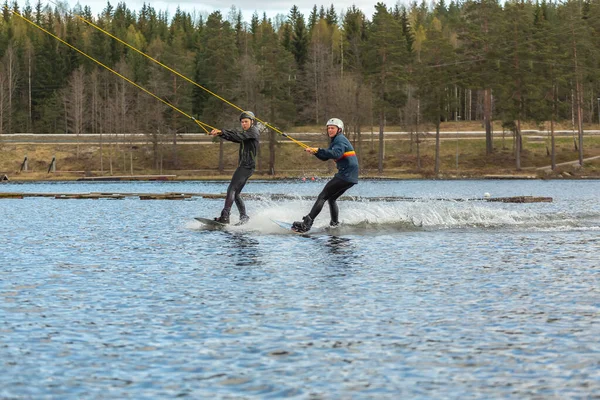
336	122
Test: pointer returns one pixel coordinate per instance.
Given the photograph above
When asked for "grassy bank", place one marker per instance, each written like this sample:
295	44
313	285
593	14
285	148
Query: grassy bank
461	156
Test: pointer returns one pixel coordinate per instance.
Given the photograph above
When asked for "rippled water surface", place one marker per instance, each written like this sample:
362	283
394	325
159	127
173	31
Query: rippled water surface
435	298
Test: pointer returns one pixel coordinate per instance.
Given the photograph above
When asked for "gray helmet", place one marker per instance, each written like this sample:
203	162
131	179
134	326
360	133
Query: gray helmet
247	114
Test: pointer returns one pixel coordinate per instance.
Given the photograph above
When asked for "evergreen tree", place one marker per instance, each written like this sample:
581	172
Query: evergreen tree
216	69
513	91
440	10
254	24
50	76
27	10
6	11
355	66
286	35
331	16
240	33
407	30
322	13
385	63
137	62
38	12
276	101
579	45
313	18
481	36
550	64
435	74
299	40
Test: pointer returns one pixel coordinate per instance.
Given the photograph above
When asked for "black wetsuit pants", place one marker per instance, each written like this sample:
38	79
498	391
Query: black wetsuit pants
330	193
238	181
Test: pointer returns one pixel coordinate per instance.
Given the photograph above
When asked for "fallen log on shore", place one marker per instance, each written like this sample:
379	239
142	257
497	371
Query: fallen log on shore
129	178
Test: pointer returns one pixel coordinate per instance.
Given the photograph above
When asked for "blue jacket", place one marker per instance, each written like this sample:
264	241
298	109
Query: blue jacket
249	142
343	153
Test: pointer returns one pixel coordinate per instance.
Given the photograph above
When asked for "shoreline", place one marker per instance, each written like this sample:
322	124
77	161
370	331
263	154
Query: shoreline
459	160
70	177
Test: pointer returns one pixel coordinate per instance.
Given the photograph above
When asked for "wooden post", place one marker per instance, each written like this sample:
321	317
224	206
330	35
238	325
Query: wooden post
52	167
24	165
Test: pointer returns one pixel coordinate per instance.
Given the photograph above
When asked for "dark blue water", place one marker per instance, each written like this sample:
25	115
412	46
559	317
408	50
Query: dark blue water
425	298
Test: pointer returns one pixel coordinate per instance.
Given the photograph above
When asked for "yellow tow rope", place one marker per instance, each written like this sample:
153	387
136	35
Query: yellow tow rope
199	123
301	144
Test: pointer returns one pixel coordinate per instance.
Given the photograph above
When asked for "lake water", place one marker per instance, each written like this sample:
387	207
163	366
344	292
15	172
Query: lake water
426	298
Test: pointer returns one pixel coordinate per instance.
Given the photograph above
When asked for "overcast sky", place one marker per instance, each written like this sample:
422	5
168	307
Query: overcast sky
248	7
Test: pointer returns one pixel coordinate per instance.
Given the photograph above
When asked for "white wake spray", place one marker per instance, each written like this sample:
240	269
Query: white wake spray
381	216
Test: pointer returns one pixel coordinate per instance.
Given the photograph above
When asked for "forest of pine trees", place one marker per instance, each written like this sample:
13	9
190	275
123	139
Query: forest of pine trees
485	61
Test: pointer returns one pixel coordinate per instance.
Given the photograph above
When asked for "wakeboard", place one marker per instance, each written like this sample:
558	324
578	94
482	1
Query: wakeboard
288	227
281	224
210	222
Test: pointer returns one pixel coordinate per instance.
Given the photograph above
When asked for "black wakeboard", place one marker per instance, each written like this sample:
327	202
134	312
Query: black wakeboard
210	222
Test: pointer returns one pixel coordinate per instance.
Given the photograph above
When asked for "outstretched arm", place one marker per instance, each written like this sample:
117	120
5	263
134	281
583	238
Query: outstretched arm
237	137
334	152
315	151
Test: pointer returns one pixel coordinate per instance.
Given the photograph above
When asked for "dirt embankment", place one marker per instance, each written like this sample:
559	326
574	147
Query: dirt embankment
462	155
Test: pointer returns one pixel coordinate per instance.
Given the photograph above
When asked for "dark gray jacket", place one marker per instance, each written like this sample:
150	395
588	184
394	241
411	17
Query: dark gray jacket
249	142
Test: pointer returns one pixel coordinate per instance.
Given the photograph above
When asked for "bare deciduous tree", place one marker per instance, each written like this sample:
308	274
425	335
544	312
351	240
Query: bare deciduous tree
3	97
10	84
74	97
